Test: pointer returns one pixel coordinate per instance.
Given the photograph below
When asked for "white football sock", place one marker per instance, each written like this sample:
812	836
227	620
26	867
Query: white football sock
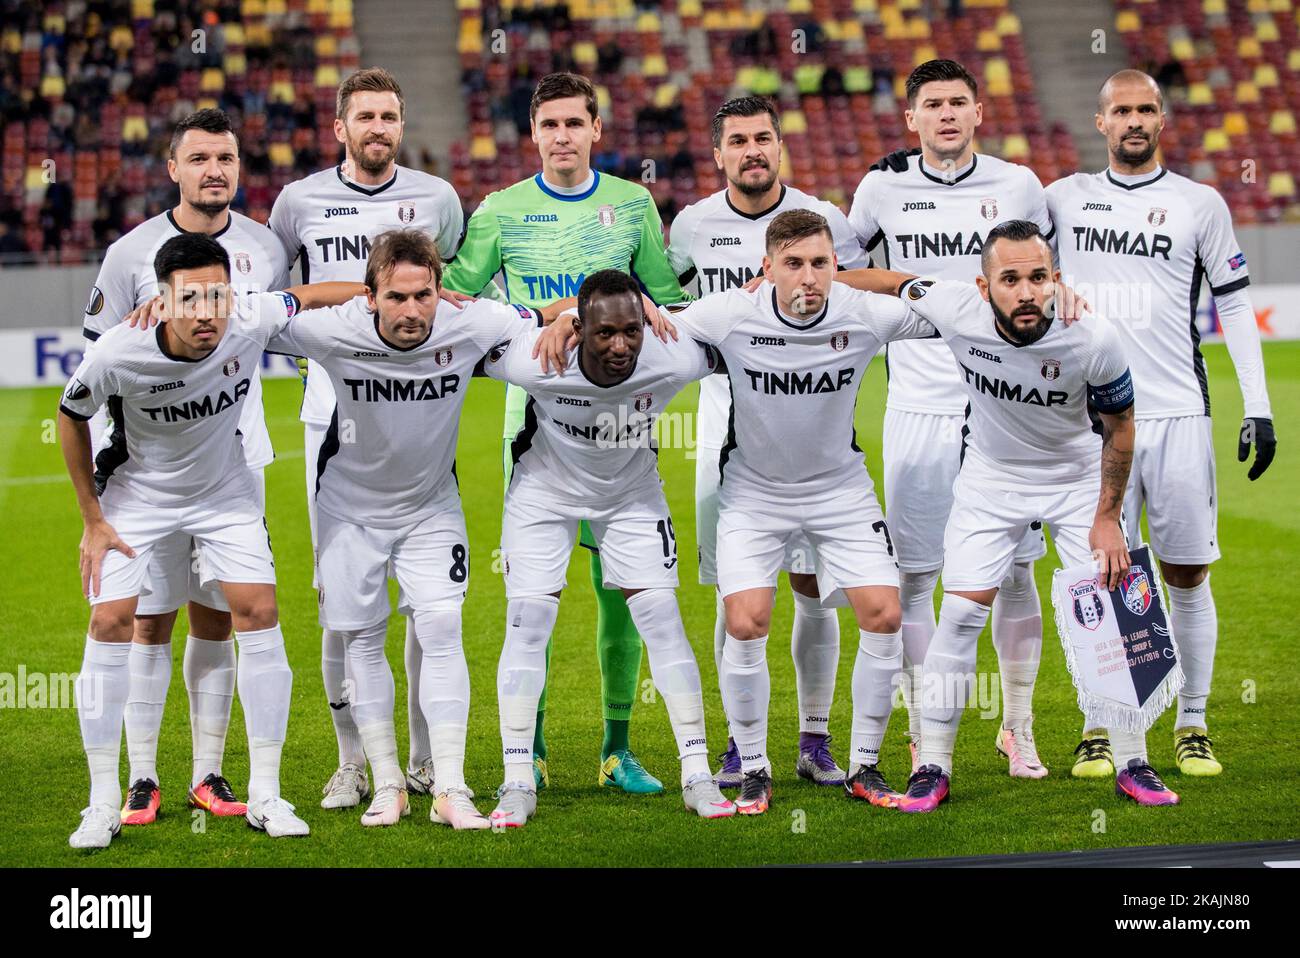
151	673
1127	745
916	597
444	693
209	670
1195	623
373	696
815	648
719	641
948	677
416	725
1018	639
675	672
521	676
1093	722
746	689
101	690
338	692
879	659
265	689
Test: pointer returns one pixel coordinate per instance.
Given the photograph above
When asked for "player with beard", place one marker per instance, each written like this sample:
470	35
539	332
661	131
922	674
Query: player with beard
1032	453
1136	223
327	221
203	161
928	214
717	244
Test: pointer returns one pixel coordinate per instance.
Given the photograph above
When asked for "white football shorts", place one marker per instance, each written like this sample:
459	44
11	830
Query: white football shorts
1173	476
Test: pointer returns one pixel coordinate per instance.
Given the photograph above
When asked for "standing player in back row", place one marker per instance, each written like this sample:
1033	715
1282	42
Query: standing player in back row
327	221
1162	234
545	234
932	219
715	245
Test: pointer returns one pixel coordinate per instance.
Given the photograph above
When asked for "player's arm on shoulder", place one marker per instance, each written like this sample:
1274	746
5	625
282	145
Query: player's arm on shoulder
871	280
319	295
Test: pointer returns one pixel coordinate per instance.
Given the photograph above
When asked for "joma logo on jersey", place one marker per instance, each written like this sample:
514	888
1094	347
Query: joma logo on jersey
766	341
163	387
719	279
1014	392
909	207
940	244
402	390
556	286
1099	207
362	354
541	218
340	211
798	384
982	354
570	401
724	241
1090	240
198	408
344	247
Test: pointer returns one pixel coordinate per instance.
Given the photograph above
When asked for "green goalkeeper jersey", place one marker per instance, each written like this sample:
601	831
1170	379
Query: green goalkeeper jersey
545	243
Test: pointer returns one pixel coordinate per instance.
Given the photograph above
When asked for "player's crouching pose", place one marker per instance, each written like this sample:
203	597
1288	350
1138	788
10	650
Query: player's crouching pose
795	348
175	464
585	453
400	362
1031	454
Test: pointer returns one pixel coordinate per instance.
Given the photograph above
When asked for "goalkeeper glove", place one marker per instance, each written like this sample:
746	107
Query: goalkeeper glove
1259	432
896	161
302	368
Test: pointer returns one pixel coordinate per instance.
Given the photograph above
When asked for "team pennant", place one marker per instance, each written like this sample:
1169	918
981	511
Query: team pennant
1118	644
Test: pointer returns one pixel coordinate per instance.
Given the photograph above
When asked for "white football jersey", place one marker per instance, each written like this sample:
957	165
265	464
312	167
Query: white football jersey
934	224
1029	414
714	247
1138	248
328	222
794	385
126	279
176	421
588	441
389	455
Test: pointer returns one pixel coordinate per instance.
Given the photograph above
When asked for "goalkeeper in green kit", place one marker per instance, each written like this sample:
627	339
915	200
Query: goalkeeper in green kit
546	234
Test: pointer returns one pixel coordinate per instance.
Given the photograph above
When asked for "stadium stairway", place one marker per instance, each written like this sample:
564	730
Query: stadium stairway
415	40
1067	73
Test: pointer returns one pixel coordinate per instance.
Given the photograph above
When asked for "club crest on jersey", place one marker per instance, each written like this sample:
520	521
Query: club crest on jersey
406	212
1137	591
989	209
96	302
442	357
1157	216
1051	369
840	342
606	215
642	401
243	263
231	367
1088	610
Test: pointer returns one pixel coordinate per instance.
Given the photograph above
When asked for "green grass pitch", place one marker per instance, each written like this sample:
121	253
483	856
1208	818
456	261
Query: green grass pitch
42	620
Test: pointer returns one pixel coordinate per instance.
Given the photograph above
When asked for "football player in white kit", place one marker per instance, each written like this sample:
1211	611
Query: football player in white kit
1032	453
795	348
586	451
174	463
1139	230
715	245
930	219
387	497
327	221
204	163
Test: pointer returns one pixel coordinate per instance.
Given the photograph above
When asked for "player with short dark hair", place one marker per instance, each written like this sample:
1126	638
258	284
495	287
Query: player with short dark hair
1146	238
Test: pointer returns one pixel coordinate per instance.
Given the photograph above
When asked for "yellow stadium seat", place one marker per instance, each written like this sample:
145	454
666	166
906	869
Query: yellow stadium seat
648	23
468	5
923	54
1281	185
988	41
1008	25
142	9
1248	48
666	95
865	6
1247	92
851	30
918	28
253	8
11	41
1182	48
121	38
483	148
327	76
908	4
793	121
654	65
1200	94
318	6
1015	147
1214	6
1215	141
857	79
1265	75
808	77
258	34
1127	21
1234	124
327	45
233	33
236	64
689	8
798	6
603	100
276	8
54	23
1266	31
1282	121
134	129
207	103
1293	60
281	91
713	20
213	80
280	154
35	178
52	86
584	53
